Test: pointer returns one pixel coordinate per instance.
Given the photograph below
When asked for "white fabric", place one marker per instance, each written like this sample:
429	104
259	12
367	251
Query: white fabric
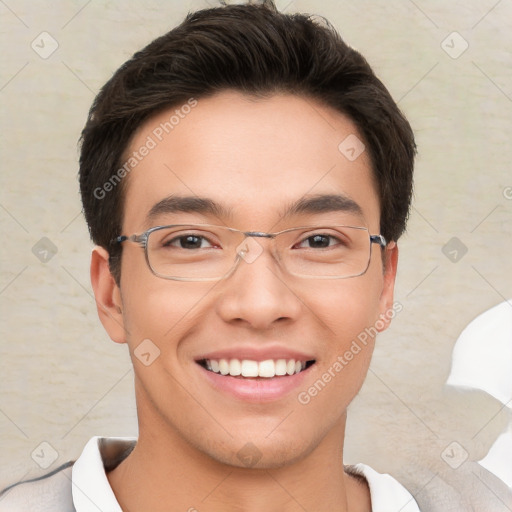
482	357
386	493
499	459
47	494
91	488
92	491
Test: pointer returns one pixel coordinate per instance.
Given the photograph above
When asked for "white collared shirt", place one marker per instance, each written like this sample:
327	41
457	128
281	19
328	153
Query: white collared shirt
87	488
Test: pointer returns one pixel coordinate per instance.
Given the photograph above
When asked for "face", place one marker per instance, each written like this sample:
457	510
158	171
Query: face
253	158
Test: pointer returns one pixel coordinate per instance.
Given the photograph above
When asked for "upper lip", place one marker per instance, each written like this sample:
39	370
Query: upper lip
256	354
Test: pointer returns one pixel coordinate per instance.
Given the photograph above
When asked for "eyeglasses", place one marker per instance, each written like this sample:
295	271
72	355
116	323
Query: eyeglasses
202	252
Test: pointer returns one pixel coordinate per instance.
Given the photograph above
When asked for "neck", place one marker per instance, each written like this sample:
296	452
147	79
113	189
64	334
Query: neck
164	473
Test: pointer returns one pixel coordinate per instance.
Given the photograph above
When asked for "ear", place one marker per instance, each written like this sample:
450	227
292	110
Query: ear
107	295
387	308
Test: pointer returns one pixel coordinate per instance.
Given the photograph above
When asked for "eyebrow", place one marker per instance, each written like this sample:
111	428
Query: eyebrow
323	203
188	204
317	204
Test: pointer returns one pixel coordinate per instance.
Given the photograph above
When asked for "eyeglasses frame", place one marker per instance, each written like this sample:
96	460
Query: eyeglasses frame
142	240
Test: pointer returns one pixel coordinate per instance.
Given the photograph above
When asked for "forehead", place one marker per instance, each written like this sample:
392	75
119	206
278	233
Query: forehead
252	157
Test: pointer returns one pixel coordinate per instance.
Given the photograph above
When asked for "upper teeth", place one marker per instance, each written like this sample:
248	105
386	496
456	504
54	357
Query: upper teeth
250	368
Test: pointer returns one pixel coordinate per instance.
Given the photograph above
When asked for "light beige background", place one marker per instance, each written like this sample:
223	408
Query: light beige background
63	380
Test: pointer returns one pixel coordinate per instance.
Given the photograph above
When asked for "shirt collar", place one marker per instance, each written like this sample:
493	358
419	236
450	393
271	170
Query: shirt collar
387	494
92	491
91	488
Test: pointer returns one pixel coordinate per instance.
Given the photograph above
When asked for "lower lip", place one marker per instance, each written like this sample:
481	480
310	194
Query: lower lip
255	390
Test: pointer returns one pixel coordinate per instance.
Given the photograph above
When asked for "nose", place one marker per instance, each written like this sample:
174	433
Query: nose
257	293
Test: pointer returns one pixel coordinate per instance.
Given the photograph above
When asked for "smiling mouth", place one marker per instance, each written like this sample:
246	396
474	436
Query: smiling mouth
251	369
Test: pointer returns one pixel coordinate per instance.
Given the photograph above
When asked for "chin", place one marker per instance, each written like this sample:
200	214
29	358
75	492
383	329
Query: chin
246	451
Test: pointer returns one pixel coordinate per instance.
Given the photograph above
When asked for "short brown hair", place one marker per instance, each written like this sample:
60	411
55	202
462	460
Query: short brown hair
259	51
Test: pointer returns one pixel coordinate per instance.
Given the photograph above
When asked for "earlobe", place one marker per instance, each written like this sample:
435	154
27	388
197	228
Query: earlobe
107	295
386	304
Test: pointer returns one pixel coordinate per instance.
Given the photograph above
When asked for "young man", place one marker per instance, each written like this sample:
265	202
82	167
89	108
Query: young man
245	178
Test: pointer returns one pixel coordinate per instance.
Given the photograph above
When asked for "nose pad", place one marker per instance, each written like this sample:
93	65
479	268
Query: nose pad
249	250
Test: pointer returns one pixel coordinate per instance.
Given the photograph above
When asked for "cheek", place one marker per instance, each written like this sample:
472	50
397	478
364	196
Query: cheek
158	309
345	307
347	312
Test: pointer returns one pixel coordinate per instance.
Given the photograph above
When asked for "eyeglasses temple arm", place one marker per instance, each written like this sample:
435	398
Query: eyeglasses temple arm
378	239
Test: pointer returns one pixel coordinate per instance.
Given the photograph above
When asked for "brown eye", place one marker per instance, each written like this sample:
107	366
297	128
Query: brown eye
319	241
187	242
